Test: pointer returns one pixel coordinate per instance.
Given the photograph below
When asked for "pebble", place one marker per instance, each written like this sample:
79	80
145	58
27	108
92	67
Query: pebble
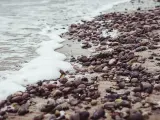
94	102
23	110
98	114
38	117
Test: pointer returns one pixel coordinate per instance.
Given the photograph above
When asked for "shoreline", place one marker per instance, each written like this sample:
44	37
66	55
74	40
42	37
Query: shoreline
95	88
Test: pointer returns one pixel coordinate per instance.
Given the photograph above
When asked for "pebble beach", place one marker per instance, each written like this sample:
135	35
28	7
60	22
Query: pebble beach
116	75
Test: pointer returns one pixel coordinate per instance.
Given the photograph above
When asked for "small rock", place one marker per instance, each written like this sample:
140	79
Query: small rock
83	59
47	107
57	113
39	117
75	117
109	105
66	89
23	110
98	114
73	102
147	87
157	87
82	86
134	80
141	48
56	93
105	69
17	99
63	80
121	85
84	115
112	61
136	116
98	69
94	102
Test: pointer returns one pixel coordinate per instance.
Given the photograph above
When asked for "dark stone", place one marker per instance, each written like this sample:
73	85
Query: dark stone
39	117
82	86
17	99
23	110
135	116
121	85
73	102
109	105
84	115
137	89
141	48
75	117
63	80
2	102
98	114
49	106
98	69
147	87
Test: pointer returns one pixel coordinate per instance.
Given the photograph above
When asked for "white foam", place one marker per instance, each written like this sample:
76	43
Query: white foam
45	67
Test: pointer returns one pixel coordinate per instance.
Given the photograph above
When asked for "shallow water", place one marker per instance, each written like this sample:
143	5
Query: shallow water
25	24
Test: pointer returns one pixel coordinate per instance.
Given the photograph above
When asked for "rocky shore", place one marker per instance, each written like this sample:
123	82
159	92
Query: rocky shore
119	80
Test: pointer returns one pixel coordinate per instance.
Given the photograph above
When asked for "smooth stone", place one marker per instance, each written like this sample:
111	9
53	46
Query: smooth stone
121	85
98	114
73	102
39	117
56	93
112	61
135	116
84	115
147	87
23	110
94	102
63	80
75	117
109	105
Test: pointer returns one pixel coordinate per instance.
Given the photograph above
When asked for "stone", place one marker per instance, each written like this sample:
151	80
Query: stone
134	80
98	114
2	103
84	115
17	99
38	117
57	113
83	59
82	86
112	61
94	102
73	102
121	85
147	87
56	93
49	106
98	69
23	110
109	105
63	80
137	89
157	87
66	90
105	69
141	48
75	117
135	116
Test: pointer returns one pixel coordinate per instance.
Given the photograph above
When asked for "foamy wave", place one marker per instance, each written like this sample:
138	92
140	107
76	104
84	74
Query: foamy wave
45	67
